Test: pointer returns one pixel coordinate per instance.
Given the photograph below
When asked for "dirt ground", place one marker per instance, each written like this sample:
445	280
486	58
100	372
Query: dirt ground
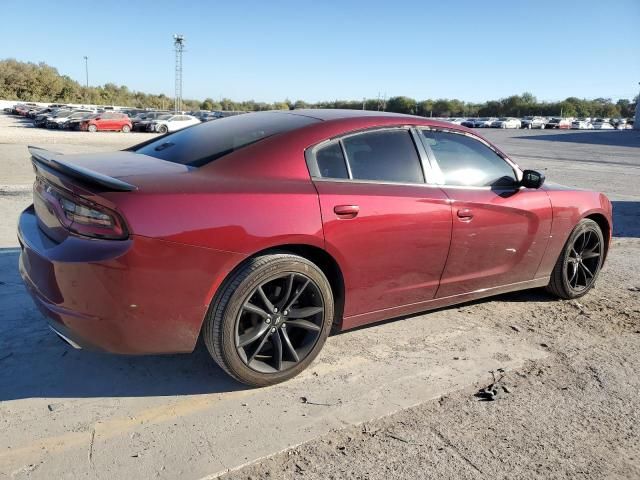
573	414
394	400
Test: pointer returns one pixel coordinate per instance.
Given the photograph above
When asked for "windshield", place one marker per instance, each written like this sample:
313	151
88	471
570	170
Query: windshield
196	146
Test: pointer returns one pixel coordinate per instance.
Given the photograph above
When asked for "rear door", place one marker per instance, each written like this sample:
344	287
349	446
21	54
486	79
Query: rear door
389	230
500	230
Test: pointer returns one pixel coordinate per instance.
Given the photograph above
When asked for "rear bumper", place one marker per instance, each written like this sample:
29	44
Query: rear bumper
135	296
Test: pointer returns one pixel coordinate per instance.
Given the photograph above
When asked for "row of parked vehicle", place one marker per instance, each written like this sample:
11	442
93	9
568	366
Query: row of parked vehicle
66	117
544	122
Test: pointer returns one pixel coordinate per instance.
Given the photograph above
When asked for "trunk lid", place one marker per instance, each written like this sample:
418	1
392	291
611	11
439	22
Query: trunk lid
87	177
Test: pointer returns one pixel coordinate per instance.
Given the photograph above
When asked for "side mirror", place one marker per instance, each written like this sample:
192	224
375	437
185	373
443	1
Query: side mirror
532	179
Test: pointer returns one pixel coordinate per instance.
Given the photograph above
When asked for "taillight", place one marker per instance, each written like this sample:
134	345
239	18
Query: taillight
82	216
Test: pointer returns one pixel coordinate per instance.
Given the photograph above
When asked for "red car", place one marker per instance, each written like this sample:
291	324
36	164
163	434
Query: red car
107	121
262	232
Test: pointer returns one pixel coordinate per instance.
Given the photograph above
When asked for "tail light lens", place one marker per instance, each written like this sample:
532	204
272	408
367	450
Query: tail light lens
82	216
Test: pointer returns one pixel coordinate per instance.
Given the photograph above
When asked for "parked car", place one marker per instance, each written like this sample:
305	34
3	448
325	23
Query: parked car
581	125
559	123
469	123
23	108
109	120
172	123
620	123
33	113
602	124
483	122
76	117
506	122
142	121
457	121
74	123
260	233
57	120
41	119
534	122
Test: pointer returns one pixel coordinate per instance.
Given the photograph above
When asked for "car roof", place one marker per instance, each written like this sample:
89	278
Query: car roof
326	114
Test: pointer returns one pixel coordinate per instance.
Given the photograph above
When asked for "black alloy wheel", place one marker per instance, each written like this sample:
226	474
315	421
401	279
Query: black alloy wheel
579	264
279	323
270	319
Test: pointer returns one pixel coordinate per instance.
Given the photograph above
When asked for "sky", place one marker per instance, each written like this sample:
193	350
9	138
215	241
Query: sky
270	50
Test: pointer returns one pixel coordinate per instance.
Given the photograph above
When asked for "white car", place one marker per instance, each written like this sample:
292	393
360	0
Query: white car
602	124
457	121
533	122
172	123
483	122
506	122
581	125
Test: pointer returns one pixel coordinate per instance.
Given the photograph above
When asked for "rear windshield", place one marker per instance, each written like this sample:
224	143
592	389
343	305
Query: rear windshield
196	146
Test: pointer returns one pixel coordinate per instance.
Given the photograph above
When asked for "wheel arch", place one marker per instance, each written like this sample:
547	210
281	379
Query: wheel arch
605	226
320	257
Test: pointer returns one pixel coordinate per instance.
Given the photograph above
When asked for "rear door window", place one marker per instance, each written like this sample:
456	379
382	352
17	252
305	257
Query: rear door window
384	155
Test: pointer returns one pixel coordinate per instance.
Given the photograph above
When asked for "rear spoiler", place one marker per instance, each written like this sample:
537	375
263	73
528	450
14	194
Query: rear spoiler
46	158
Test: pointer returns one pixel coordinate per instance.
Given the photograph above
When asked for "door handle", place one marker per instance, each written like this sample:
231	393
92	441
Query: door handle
465	214
346	211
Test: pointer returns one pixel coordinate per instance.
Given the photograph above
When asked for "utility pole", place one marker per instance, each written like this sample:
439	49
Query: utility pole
178	44
86	70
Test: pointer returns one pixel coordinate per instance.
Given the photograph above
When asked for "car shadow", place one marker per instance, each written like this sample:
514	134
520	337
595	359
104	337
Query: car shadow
626	219
622	138
35	363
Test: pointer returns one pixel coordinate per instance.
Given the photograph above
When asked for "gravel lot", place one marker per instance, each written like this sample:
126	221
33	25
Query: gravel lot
390	401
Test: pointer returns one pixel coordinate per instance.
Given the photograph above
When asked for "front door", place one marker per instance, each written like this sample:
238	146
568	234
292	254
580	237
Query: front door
500	230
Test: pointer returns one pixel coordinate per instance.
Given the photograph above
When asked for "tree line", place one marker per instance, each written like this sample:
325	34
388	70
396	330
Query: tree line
39	82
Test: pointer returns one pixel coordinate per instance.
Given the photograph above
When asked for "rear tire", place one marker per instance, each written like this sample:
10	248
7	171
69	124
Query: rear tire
259	349
126	129
579	263
163	129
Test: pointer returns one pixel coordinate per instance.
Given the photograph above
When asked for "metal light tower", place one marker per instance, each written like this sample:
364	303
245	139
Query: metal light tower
178	44
86	69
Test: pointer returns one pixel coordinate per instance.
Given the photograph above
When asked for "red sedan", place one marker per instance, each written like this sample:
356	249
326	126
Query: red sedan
262	232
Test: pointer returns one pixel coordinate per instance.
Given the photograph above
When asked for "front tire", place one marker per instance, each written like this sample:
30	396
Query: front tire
92	128
579	264
270	319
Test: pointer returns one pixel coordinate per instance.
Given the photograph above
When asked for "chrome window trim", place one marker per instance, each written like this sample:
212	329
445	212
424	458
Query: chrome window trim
344	157
508	161
429	185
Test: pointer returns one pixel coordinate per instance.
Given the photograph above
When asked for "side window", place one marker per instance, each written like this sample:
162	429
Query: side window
331	162
464	161
387	155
